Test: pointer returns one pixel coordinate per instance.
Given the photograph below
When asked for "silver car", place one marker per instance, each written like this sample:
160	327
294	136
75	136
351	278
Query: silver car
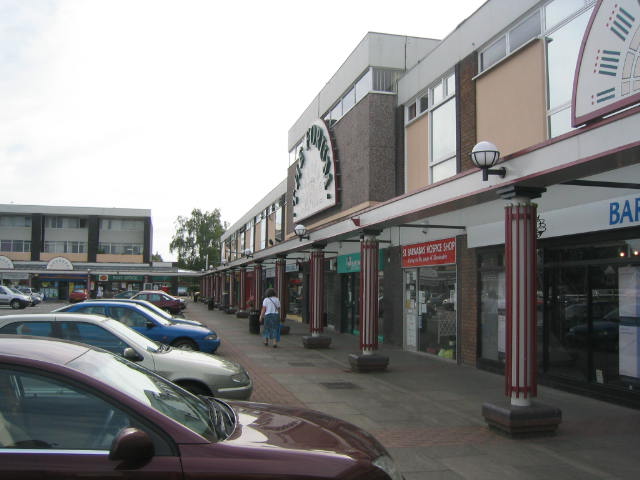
36	297
198	372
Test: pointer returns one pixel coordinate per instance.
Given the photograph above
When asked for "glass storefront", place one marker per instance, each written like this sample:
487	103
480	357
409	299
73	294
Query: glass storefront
430	310
588	312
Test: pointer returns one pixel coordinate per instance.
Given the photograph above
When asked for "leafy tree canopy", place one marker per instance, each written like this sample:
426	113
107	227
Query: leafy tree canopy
156	257
197	239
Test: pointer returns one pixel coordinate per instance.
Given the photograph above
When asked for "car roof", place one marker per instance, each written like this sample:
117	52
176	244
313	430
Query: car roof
109	302
42	348
121	300
55	317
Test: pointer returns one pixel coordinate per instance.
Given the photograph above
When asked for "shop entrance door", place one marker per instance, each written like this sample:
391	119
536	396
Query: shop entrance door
582	339
350	318
411	308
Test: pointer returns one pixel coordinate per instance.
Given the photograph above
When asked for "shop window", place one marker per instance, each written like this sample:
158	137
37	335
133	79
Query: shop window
430	310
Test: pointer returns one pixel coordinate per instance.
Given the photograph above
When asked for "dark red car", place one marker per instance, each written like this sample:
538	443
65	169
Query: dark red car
161	299
71	410
78	295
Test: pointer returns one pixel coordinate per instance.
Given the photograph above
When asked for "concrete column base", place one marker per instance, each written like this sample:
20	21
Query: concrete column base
242	314
374	362
536	419
319	341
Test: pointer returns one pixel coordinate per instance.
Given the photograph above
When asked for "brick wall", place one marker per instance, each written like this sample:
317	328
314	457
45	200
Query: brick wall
466	70
467	303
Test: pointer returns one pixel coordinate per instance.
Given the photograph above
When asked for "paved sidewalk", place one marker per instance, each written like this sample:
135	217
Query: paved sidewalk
427	412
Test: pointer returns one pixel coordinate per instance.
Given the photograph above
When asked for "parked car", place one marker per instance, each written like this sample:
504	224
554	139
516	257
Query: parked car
65	416
194	371
14	298
36	297
126	294
161	299
157	310
78	295
187	337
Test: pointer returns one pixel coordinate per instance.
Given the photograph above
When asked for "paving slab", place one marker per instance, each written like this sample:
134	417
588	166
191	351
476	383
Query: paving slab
427	411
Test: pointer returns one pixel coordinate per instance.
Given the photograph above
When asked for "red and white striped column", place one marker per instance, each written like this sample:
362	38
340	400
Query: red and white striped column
281	286
216	288
232	292
257	284
369	294
521	344
316	291
243	288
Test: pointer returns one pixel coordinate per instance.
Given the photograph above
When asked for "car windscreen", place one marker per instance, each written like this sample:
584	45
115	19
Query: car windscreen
148	388
157	317
155	309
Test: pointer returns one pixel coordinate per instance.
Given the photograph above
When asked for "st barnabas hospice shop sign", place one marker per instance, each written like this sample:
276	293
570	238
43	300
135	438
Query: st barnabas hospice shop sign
438	252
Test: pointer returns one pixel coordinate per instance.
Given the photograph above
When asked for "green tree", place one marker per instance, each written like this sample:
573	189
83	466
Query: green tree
156	257
197	239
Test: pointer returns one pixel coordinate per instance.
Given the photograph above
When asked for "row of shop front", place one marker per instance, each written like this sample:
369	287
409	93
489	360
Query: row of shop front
59	277
587	324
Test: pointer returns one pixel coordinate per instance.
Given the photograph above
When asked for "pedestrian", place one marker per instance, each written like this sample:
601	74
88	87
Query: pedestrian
270	318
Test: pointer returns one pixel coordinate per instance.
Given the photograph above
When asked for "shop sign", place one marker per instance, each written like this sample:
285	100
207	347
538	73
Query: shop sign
14	276
59	263
438	252
103	278
351	263
124	278
155	278
5	262
314	186
606	77
624	212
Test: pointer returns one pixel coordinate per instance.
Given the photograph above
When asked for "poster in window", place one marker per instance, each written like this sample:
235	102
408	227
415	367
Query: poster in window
629	314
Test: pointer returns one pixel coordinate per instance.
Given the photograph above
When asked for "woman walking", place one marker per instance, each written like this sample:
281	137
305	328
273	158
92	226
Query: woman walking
270	317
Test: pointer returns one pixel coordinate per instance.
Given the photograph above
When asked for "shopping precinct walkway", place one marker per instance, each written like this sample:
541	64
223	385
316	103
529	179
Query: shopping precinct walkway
427	411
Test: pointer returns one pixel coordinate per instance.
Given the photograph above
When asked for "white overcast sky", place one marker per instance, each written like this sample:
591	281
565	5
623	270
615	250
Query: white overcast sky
172	105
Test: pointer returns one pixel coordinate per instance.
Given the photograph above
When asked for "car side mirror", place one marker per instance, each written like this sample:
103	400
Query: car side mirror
130	354
132	446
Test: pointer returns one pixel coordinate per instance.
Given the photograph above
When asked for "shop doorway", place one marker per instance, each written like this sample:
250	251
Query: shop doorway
350	293
583	335
430	310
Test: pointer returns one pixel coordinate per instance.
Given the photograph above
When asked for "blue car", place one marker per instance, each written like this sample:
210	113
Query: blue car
183	336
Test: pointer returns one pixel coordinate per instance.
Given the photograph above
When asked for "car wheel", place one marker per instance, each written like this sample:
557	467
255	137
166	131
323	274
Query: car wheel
185	344
195	388
15	304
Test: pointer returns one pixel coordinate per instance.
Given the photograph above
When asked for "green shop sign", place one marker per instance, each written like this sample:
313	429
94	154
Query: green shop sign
125	278
351	263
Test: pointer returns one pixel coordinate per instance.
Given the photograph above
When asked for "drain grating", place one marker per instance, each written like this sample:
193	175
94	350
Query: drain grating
301	364
339	385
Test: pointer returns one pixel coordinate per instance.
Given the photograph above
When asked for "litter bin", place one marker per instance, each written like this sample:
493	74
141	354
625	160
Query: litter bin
254	321
210	304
